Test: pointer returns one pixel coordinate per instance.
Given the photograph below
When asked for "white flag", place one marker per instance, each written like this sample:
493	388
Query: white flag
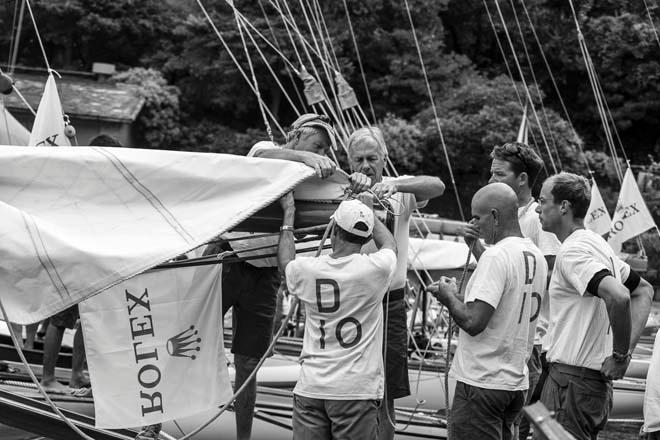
523	131
631	216
597	218
154	347
48	128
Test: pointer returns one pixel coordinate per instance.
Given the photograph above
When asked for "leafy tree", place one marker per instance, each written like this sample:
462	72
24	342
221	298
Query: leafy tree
158	122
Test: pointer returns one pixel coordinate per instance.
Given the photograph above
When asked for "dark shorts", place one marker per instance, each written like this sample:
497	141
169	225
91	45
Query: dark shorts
320	419
581	404
397	384
252	292
479	413
66	318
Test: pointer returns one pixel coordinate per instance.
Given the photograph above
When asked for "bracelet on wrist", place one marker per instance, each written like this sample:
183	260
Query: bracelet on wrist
621	357
286	228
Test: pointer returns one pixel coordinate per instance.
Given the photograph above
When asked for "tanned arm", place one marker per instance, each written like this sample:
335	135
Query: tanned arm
423	187
640	307
617	300
323	166
383	239
286	251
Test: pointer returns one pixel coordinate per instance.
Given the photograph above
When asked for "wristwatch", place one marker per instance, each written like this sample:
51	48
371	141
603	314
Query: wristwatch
621	357
286	228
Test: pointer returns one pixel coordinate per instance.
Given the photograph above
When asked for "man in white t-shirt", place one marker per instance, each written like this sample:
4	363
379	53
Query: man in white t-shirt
497	321
341	377
598	309
367	154
518	165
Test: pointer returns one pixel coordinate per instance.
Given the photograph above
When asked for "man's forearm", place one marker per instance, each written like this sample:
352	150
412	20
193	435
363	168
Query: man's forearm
478	249
459	312
620	320
640	307
382	237
423	187
286	250
280	153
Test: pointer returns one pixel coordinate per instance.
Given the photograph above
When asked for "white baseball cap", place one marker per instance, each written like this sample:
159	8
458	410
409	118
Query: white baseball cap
355	217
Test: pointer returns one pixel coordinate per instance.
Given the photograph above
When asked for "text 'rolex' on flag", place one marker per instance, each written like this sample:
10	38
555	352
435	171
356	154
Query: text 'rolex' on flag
78	220
631	216
48	128
154	347
597	218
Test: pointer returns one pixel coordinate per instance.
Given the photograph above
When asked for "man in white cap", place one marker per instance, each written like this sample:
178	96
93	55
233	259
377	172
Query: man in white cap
367	154
341	378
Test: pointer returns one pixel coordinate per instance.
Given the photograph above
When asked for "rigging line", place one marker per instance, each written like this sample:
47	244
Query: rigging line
317	5
525	88
238	66
359	59
322	38
270	69
260	101
277	44
611	118
293	43
12	34
554	82
327	66
598	97
536	84
435	111
305	44
36	31
22	98
655	32
17	40
535	144
4	115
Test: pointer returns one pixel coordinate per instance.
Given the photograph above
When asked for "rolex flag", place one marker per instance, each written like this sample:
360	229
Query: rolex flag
48	128
154	347
631	216
597	218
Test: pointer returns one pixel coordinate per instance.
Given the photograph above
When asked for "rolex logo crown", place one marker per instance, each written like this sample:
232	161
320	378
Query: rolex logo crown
184	344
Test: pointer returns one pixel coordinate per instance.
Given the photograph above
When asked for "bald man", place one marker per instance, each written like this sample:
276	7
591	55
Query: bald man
497	321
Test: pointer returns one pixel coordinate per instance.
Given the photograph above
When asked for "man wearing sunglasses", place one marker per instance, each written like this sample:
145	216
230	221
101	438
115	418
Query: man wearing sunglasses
518	166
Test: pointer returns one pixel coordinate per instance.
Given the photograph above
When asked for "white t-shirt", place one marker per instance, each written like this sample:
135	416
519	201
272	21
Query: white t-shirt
580	333
342	356
510	276
549	244
652	394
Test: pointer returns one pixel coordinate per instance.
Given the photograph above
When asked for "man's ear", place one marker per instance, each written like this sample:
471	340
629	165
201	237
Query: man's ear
523	179
496	216
564	207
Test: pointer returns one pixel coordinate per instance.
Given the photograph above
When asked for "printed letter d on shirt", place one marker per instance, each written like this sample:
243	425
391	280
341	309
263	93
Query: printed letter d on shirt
332	284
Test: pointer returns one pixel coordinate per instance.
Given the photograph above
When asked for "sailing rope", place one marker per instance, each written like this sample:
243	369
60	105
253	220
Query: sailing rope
655	32
359	59
554	84
536	85
435	110
525	88
260	101
36	31
36	381
240	69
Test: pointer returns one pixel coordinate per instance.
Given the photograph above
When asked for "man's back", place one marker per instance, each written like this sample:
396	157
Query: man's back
511	277
341	357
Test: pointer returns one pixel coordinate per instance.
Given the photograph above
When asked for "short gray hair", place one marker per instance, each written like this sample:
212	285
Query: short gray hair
574	189
370	133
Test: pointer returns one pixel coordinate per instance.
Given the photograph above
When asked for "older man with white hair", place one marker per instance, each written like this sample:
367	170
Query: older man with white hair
367	154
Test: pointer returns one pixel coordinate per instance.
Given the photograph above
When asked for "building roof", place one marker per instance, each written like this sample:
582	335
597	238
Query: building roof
81	98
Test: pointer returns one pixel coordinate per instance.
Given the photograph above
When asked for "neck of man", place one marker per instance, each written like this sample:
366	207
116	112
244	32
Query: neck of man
511	230
341	248
568	227
524	196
